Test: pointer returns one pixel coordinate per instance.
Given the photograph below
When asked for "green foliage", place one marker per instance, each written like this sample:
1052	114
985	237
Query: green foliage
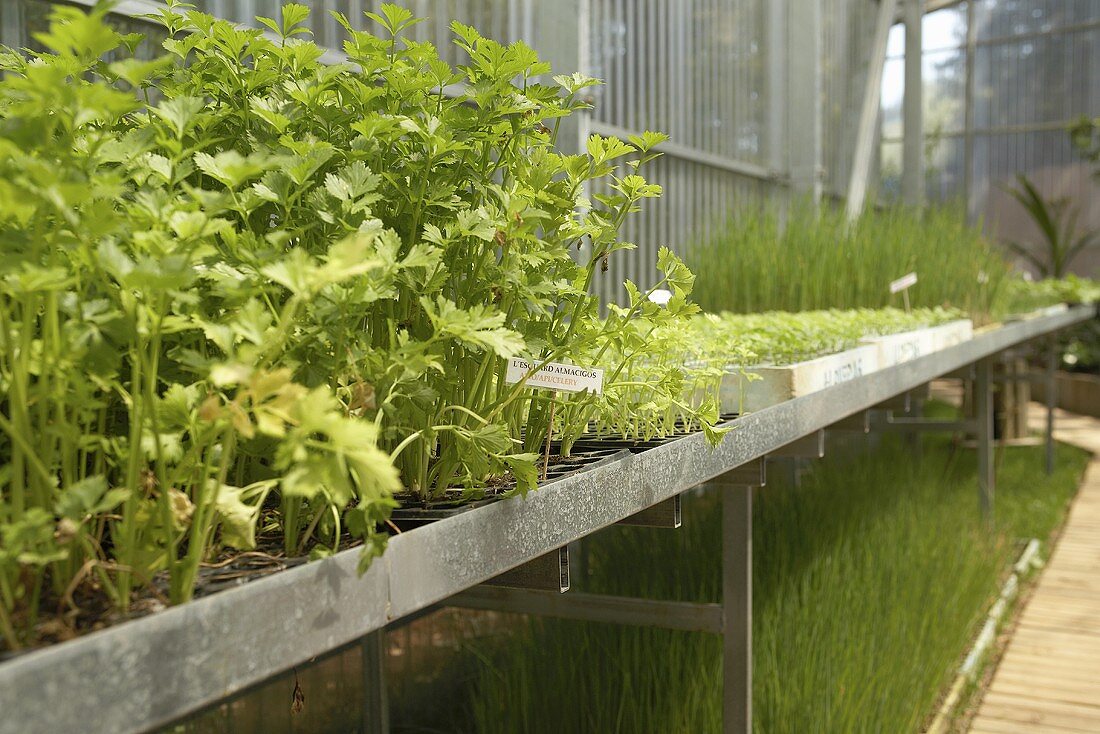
245	290
148	411
1085	137
463	216
1080	346
787	338
1057	222
810	259
864	603
1020	295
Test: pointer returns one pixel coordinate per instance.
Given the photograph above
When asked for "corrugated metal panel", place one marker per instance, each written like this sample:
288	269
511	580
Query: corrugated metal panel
696	70
502	20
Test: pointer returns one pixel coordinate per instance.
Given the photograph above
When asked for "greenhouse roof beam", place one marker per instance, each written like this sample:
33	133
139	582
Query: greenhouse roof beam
867	132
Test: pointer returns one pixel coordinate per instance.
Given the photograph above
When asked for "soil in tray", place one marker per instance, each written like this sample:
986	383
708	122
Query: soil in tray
590	442
268	558
92	611
415	512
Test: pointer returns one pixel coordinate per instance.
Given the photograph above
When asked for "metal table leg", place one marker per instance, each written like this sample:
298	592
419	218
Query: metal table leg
737	609
983	406
1052	399
376	714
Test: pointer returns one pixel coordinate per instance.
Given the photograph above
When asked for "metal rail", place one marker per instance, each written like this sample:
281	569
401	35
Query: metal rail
149	672
695	155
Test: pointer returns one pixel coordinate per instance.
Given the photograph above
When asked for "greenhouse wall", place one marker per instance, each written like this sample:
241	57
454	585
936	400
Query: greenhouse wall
1003	80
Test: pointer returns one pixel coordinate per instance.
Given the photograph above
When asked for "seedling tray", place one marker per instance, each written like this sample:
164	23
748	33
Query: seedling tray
414	512
635	445
775	384
895	349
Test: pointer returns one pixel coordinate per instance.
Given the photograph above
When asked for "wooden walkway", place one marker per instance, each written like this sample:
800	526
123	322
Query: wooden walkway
1049	678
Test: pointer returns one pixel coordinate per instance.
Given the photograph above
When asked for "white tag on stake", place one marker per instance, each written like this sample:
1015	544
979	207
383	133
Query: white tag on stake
903	282
556	376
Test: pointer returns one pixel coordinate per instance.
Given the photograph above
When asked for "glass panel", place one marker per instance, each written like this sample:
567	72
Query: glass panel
1006	18
893	97
895	42
944	29
944	168
944	91
693	69
1037	80
889	185
1047	158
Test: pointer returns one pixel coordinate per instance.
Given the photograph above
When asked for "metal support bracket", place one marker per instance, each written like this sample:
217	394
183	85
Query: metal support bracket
898	404
858	423
549	572
664	514
963	373
752	474
807	447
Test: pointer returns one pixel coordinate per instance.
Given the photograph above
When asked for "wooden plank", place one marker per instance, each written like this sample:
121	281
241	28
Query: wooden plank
1083	620
1057	577
987	725
1038	710
1030	660
1055	639
1038	650
1049	677
1064	695
1079	619
1066	594
1062	680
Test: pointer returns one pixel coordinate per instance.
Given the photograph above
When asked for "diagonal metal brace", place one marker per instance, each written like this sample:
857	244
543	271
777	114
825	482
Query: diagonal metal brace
675	615
927	424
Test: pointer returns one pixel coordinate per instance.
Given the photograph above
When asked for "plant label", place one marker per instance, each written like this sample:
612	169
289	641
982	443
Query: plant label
556	376
661	296
903	282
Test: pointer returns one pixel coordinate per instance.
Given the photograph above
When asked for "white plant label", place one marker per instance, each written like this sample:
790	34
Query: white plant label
556	376
903	282
661	296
